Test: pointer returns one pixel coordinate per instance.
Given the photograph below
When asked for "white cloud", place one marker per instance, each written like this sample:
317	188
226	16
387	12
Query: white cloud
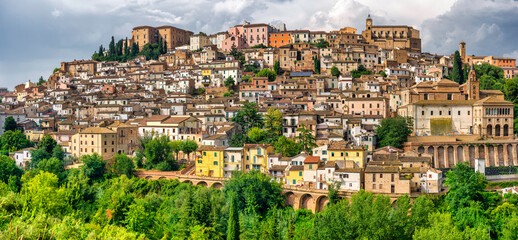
56	13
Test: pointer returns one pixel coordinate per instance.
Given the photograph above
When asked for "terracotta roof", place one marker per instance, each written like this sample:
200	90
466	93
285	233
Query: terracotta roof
97	130
311	159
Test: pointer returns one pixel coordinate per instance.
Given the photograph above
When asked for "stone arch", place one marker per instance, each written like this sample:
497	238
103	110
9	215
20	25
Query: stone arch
201	183
497	130
450	157
491	155
460	154
187	181
420	149
500	150
307	202
162	177
148	177
471	154
217	185
481	152
440	157
506	130
322	203
489	130
509	154
290	199
430	151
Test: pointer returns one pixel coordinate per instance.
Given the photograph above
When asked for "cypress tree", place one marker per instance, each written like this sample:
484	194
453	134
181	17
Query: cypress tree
233	220
160	46
101	51
457	73
111	49
134	50
126	49
165	47
316	64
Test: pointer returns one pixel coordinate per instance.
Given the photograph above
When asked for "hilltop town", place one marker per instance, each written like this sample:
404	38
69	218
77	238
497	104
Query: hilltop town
305	107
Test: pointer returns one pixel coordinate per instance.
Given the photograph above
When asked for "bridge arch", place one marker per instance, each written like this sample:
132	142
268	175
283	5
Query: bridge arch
162	177
322	203
187	181
148	177
217	185
202	183
290	199
307	202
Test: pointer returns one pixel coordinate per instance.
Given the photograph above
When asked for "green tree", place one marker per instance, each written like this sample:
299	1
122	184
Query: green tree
321	43
47	143
176	147
188	146
53	165
10	124
273	123
382	73
229	82
332	193
394	131
58	153
511	90
159	155
465	186
316	65
9	172
335	72
233	220
122	164
306	139
255	192
41	81
93	167
360	71
41	194
256	135
265	72
286	146
277	67
248	116
14	140
457	74
443	227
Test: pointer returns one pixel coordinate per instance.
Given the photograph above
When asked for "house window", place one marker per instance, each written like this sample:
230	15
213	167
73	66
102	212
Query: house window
449	96
294	181
300	173
215	163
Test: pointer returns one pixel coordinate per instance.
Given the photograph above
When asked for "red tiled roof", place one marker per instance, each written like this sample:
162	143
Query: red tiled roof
311	159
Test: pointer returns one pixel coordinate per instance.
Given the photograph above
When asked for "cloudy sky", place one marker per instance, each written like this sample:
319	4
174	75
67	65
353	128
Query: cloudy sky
35	36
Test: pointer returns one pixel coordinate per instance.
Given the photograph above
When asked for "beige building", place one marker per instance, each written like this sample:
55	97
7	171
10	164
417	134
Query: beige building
173	36
392	37
199	41
102	141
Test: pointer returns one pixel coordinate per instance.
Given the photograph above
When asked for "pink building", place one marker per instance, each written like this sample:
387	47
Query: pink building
247	35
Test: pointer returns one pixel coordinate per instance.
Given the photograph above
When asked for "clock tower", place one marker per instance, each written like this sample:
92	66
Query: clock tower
368	23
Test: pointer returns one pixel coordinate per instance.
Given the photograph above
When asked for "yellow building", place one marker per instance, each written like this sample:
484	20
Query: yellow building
255	157
94	140
340	151
295	176
210	161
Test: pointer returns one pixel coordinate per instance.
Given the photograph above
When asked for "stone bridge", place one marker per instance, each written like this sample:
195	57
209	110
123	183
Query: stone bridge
297	197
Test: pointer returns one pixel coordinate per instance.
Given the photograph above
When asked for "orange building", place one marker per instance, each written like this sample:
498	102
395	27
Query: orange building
279	39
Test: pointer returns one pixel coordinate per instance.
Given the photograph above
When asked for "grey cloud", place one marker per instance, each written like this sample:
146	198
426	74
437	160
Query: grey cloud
488	28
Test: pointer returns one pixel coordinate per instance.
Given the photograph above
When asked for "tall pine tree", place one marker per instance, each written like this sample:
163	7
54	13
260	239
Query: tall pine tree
233	220
111	50
457	74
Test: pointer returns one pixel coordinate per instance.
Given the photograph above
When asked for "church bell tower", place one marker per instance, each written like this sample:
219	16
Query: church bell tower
473	85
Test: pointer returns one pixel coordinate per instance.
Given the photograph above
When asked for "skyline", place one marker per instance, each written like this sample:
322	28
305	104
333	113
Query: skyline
38	36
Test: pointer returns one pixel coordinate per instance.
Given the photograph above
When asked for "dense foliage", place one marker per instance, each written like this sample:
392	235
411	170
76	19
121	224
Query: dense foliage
393	131
268	129
250	206
122	51
360	71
